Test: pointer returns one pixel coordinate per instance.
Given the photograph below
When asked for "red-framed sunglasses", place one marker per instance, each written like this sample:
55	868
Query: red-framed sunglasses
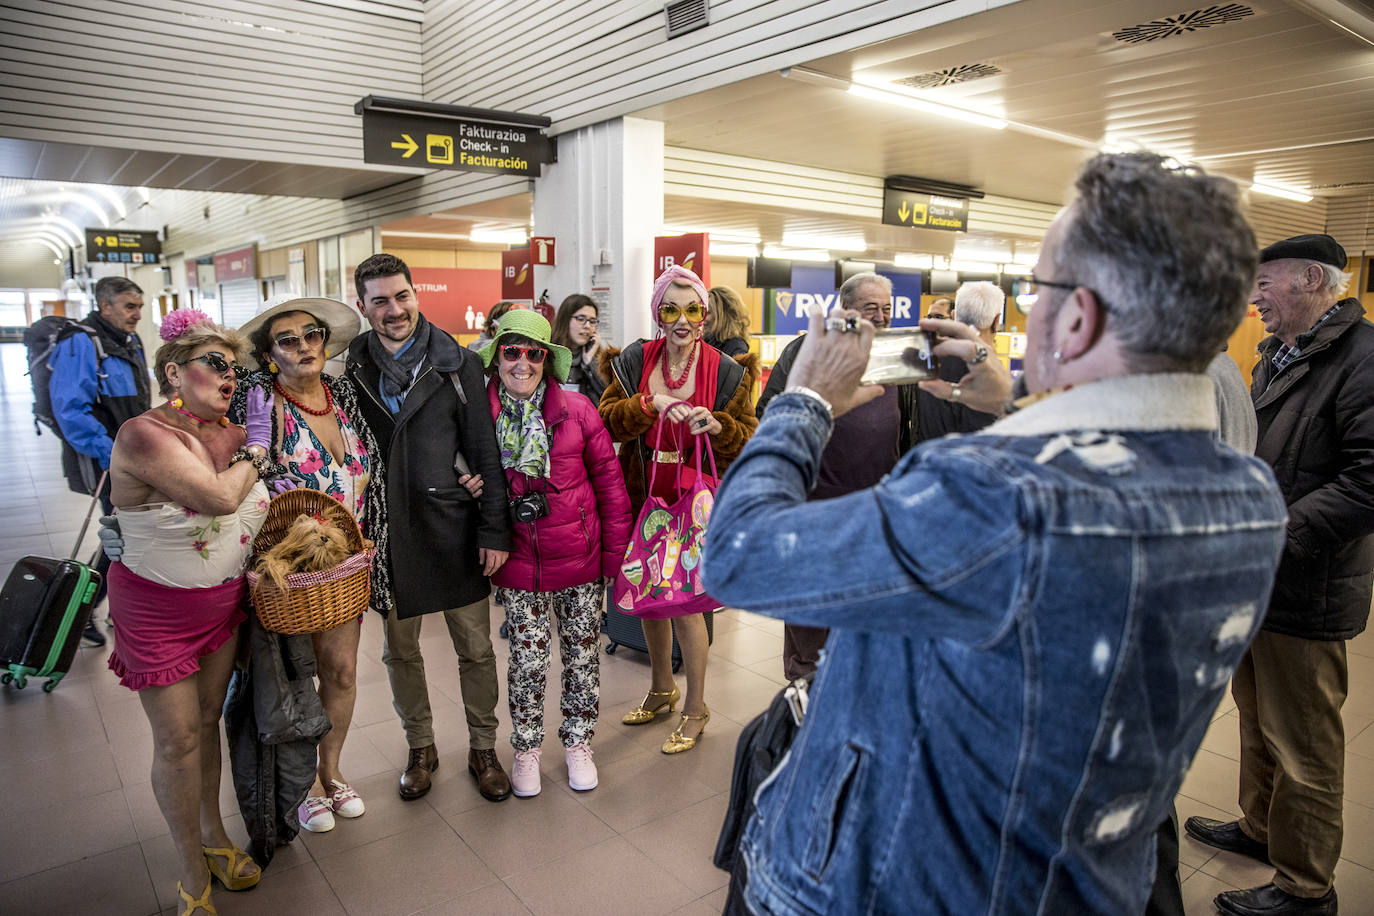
511	353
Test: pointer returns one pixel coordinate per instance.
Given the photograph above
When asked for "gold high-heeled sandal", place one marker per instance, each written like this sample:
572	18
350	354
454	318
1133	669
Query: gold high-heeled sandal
230	874
193	904
677	742
645	713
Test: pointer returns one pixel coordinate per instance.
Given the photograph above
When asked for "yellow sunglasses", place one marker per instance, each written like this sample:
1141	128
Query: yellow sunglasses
669	314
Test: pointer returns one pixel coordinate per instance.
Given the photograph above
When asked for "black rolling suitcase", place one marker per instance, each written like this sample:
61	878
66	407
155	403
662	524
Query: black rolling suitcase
44	608
624	630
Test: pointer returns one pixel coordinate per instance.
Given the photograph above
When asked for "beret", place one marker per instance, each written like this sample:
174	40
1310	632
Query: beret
1320	248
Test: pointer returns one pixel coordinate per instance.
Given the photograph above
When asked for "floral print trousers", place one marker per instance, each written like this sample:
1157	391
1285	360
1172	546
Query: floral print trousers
578	611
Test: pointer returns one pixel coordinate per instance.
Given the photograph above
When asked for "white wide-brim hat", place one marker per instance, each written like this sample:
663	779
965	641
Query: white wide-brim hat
343	321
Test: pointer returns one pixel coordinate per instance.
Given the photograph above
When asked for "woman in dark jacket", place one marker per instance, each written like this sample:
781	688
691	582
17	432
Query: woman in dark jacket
572	521
574	327
727	322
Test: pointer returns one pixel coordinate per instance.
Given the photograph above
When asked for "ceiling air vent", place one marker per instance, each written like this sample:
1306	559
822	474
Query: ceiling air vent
1169	26
949	76
686	16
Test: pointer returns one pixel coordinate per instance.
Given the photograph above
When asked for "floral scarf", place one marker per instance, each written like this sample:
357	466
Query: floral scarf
521	434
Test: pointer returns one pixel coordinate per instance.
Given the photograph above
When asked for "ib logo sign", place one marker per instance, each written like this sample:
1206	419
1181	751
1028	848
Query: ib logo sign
688	262
520	276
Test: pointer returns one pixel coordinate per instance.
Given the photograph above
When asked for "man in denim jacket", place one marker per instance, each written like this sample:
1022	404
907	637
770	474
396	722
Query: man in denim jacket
1031	625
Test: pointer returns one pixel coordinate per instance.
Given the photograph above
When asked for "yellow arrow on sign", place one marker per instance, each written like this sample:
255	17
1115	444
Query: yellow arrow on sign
410	146
902	211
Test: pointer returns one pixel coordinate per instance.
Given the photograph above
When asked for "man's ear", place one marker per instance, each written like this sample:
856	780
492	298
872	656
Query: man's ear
1079	322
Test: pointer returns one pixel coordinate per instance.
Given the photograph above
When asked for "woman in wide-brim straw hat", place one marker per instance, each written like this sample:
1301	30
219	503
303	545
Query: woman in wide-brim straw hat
571	517
320	437
648	380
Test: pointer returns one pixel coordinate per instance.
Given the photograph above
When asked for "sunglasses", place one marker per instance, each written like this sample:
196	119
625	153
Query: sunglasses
312	337
511	353
218	363
669	314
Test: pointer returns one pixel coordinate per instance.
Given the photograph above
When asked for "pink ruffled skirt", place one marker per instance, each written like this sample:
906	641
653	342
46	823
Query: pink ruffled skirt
161	633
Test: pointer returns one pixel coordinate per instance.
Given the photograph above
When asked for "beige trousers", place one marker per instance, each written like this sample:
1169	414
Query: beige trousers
470	629
1289	692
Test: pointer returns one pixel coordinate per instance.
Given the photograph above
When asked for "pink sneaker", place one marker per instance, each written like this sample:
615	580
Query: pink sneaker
581	770
316	814
524	776
343	800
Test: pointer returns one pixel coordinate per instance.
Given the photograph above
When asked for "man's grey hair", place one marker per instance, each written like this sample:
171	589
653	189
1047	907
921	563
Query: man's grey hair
107	289
979	303
1165	249
1336	279
849	292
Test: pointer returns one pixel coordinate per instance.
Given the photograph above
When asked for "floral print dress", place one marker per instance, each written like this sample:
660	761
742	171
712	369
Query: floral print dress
312	466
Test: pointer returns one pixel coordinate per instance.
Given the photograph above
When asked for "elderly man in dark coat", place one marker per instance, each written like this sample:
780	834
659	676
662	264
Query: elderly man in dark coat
1313	390
425	399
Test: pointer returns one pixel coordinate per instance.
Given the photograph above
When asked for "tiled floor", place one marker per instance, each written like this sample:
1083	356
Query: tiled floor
83	833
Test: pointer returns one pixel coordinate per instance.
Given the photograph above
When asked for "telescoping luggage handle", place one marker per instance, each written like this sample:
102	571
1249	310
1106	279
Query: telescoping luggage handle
81	535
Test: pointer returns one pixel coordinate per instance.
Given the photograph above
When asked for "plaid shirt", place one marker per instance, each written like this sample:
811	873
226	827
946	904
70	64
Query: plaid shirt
1286	354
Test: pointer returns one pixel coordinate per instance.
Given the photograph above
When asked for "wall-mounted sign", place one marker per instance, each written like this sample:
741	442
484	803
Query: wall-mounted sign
689	251
542	248
456	298
240	264
517	279
813	287
924	211
396	138
122	246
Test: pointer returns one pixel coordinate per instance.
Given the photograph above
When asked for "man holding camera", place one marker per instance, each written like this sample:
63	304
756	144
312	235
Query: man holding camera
1040	618
425	399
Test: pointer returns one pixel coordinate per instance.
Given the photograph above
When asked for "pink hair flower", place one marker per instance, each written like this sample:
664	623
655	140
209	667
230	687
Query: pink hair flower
179	321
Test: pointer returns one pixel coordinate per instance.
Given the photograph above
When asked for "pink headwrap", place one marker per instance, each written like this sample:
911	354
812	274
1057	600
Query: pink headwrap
676	274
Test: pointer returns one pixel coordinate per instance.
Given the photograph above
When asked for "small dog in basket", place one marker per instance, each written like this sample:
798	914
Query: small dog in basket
310	545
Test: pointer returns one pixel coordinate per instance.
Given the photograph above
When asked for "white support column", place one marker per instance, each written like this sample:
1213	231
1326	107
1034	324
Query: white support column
602	202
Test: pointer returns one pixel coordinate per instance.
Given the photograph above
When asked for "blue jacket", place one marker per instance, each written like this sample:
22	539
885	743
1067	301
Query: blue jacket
1030	629
91	399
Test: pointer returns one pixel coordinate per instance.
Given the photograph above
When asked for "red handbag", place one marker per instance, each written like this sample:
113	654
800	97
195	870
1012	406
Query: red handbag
660	576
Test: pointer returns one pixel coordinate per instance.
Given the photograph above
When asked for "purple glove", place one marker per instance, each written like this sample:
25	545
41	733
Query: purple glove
258	419
281	485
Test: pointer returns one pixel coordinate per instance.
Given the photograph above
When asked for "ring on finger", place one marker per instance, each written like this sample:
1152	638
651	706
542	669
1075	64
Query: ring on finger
955	393
835	323
851	324
980	354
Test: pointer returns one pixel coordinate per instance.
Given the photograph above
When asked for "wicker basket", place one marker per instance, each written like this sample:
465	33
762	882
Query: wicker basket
318	601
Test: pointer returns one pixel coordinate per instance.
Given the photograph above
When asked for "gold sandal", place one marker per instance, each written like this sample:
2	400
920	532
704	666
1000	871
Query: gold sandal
193	904
645	713
677	742
230	875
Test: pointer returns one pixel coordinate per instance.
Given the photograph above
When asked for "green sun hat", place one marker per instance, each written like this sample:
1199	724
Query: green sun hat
531	324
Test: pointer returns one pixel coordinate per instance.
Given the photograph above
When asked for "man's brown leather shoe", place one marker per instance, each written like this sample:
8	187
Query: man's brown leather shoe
415	780
492	781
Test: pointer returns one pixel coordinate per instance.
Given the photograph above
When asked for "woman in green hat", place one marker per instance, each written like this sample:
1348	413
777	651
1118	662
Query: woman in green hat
572	521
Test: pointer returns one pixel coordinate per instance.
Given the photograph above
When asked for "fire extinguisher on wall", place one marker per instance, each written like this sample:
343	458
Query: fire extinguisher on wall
544	306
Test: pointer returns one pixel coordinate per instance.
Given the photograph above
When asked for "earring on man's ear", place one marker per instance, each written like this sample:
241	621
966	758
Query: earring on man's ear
1058	357
273	368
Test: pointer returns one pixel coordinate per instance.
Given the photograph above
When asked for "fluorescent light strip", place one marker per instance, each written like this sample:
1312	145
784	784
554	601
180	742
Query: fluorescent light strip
917	261
935	108
500	236
733	249
722	235
1274	190
111	198
424	235
796	254
832	243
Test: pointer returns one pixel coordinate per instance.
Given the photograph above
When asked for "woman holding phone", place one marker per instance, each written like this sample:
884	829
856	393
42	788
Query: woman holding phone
575	327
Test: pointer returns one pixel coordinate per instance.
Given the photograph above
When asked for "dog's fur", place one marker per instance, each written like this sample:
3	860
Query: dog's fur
310	545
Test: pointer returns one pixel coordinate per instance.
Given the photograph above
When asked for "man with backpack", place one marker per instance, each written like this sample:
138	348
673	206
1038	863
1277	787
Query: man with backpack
98	378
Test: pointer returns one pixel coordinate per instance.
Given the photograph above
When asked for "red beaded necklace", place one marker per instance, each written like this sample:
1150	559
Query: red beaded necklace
176	402
674	384
328	400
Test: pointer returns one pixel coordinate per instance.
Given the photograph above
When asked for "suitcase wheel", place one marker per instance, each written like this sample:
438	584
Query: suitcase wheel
610	649
50	686
6	678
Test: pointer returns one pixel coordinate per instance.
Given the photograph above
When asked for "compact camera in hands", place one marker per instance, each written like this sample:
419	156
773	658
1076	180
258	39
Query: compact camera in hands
529	507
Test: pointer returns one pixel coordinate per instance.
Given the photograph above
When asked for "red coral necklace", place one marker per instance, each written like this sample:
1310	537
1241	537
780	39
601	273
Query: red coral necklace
674	384
328	400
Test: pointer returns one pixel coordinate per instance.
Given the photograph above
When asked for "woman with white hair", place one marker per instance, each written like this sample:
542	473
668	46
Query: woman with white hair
979	305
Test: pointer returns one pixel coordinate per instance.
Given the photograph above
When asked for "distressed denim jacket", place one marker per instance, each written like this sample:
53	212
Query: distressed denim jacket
1030	629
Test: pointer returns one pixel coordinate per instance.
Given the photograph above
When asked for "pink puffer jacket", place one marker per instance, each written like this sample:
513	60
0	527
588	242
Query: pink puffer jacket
584	535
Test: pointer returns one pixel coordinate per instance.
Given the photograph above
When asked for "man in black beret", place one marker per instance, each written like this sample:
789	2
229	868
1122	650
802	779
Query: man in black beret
1313	390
